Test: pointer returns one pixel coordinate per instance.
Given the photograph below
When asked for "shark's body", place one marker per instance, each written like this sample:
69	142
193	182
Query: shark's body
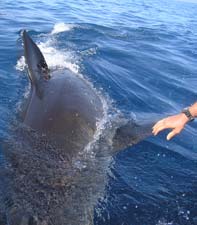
48	179
61	105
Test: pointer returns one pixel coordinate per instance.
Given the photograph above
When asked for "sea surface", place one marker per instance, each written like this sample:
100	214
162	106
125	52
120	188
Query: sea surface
141	55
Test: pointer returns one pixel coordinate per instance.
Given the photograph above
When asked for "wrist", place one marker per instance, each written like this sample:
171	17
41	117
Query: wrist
193	109
188	115
184	118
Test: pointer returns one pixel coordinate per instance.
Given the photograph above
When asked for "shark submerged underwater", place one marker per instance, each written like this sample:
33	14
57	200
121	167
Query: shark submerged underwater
50	177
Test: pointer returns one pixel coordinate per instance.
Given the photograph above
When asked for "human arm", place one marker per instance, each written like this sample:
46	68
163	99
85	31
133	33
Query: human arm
175	122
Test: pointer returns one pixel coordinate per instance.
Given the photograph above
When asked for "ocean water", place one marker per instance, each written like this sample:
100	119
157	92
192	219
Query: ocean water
141	56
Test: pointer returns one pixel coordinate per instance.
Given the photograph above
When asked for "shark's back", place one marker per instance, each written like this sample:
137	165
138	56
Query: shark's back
67	112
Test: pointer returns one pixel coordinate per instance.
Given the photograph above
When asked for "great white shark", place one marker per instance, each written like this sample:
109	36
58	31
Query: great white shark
48	179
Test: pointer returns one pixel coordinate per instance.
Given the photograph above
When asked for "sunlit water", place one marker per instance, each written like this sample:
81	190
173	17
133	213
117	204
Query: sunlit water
141	56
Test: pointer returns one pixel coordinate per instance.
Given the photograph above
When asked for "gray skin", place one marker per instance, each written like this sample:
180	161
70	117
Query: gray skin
61	105
49	178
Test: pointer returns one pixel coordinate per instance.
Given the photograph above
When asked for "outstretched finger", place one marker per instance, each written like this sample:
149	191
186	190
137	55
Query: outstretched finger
158	129
158	124
174	132
171	134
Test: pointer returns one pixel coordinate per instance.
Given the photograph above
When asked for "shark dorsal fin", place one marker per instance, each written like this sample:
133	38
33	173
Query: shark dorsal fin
37	66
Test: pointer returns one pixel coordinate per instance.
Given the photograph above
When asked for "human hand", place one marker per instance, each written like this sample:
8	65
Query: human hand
176	123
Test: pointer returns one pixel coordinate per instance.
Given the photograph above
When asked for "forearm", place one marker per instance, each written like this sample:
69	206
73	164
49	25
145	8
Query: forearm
193	109
176	122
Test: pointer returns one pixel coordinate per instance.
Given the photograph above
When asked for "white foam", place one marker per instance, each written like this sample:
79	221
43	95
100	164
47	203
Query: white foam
100	125
57	59
163	222
61	27
19	105
20	65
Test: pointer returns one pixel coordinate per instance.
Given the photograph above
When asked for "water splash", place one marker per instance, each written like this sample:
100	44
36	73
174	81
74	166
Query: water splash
58	59
20	65
55	58
61	27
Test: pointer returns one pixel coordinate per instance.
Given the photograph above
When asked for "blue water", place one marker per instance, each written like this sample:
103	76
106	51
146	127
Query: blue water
143	56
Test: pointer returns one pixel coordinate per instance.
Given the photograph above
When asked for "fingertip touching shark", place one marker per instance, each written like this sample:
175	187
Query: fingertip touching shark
60	118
